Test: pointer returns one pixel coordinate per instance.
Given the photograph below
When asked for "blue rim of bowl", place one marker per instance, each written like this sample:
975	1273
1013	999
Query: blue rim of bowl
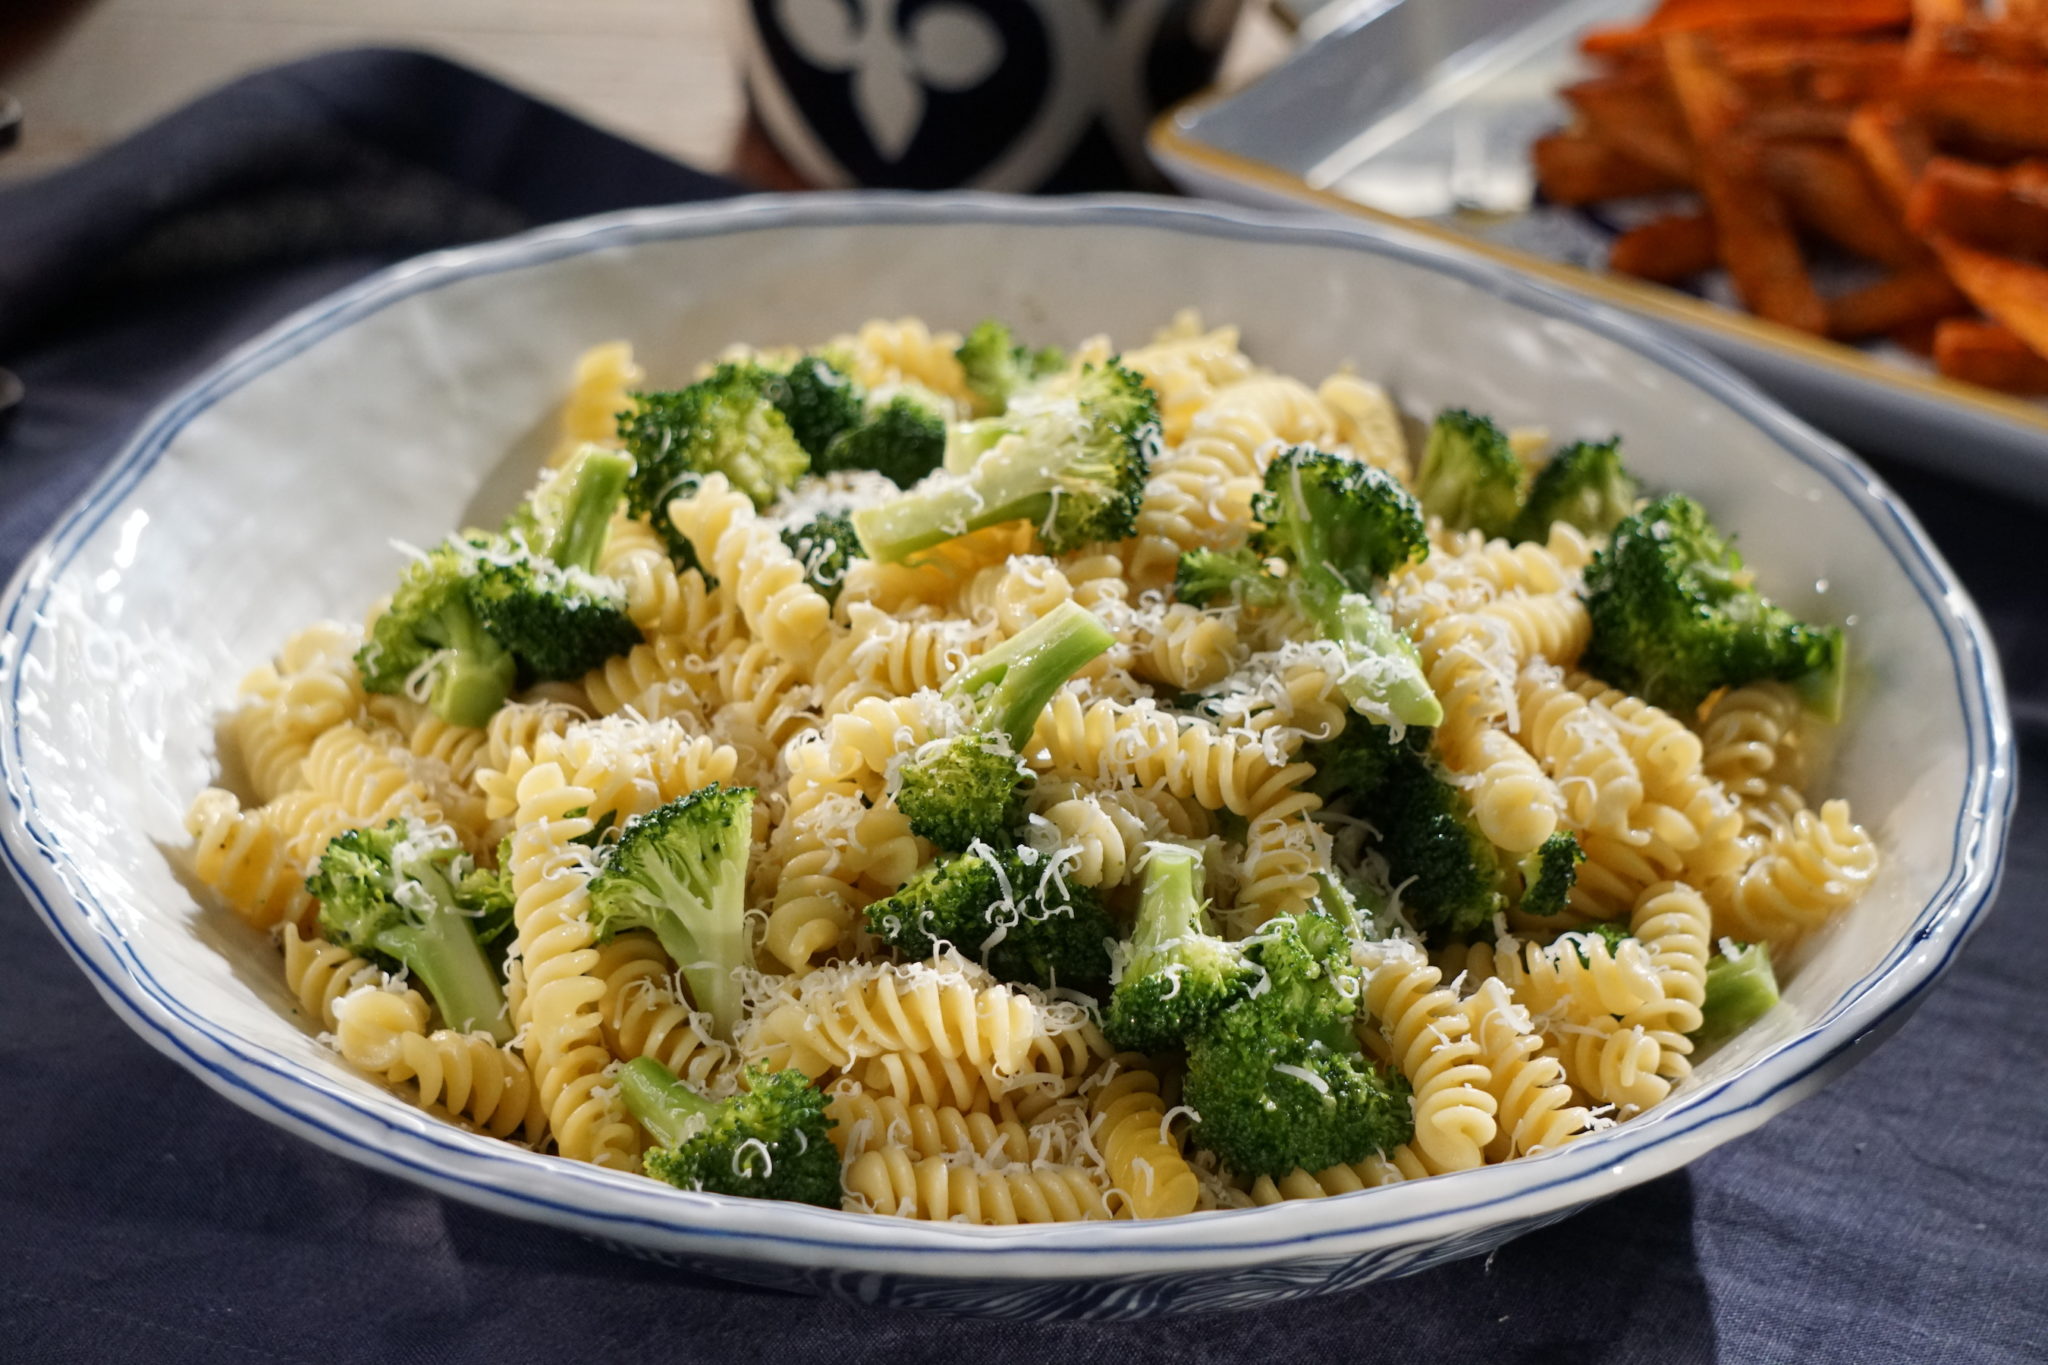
256	1076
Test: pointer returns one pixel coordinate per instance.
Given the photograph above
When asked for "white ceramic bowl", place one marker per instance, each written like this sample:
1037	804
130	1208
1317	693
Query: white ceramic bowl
268	494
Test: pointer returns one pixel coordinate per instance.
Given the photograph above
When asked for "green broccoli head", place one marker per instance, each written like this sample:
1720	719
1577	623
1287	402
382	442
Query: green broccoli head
405	895
1447	872
969	787
826	546
1585	486
1742	987
1207	577
903	440
1075	469
1277	1079
1675	616
818	401
430	638
1323	511
1470	477
770	1141
996	366
559	623
1177	975
1549	873
1001	908
725	424
681	871
1351	764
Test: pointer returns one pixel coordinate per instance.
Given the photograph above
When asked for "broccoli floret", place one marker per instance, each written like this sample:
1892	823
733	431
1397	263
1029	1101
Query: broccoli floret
826	546
1205	577
1448	873
1177	975
405	895
727	424
1323	511
770	1141
1675	616
431	629
681	871
969	787
903	440
1470	477
996	366
1549	873
1006	914
1742	987
1075	470
1585	485
548	608
1351	765
818	401
1277	1078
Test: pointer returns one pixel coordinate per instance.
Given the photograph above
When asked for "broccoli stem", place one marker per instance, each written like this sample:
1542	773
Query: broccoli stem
705	951
474	675
442	951
1400	686
1010	482
1741	989
1170	905
1030	666
586	524
670	1111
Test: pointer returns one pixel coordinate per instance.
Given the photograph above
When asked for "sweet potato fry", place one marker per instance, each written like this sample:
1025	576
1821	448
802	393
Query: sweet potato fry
1667	250
2012	292
1755	236
1829	70
1894	303
2001	211
1917	337
1797	118
1795	18
1988	354
1572	169
1636	119
2002	106
1829	193
1893	146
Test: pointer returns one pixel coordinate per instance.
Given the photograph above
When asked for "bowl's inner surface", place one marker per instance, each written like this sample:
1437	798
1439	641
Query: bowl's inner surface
279	502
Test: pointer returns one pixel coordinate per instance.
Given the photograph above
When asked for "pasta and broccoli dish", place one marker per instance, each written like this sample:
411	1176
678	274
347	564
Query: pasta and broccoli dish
949	778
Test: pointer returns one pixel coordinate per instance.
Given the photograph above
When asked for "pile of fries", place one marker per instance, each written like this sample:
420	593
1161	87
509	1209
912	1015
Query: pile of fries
1911	134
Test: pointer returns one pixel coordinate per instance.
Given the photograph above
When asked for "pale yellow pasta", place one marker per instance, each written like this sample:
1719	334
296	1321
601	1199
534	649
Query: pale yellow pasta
816	900
760	575
1149	1177
465	1074
1581	751
600	390
905	351
661	600
319	974
628	767
1427	1033
867	1122
1142	745
243	857
285	706
893	1182
1186	648
645	1014
1535	1111
1515	802
1371	1173
1675	928
664	676
1813	867
1367	422
1753	738
560	1016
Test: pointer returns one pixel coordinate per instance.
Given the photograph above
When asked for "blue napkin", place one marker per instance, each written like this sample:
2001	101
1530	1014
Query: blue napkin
1900	1216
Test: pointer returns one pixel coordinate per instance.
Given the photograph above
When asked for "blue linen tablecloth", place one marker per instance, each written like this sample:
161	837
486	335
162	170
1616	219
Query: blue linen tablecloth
1900	1216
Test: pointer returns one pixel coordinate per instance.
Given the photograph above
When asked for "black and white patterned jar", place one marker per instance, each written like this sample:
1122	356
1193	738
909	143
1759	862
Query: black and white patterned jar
992	94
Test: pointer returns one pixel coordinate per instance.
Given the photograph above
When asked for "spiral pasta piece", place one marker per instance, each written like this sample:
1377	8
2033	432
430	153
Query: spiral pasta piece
1515	802
1579	748
242	856
1675	928
645	1015
1814	867
1186	648
1137	744
1147	1172
1428	1033
889	353
1535	1110
1371	1173
1752	738
816	900
891	1182
1367	423
465	1074
868	1123
560	1013
759	574
660	600
600	389
319	974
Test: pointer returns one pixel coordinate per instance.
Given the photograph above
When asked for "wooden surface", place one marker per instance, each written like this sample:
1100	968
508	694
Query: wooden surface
659	71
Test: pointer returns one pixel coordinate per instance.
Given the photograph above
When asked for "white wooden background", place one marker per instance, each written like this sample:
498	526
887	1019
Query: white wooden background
659	71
